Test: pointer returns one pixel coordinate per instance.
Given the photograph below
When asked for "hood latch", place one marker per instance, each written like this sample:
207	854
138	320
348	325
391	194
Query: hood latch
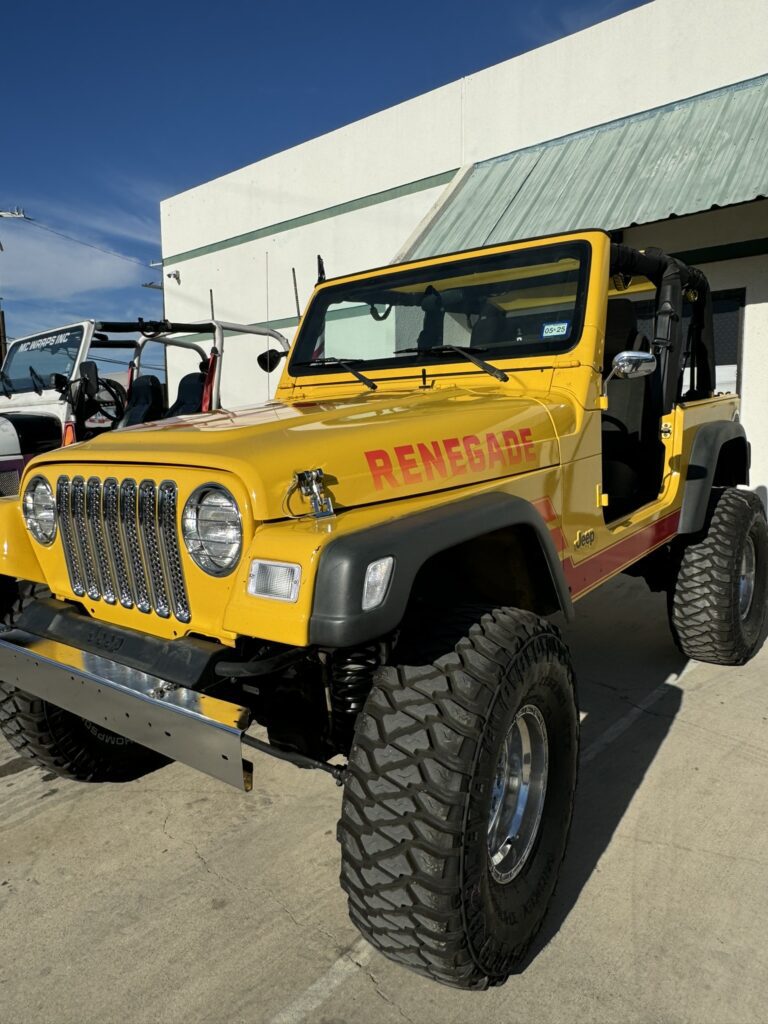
310	483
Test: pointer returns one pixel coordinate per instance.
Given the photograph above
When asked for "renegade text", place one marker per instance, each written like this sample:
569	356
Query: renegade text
452	456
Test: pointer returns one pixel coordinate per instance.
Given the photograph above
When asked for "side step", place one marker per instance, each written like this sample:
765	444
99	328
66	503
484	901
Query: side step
203	732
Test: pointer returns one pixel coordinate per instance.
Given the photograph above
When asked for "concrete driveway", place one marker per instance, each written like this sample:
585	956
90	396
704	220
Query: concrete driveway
175	899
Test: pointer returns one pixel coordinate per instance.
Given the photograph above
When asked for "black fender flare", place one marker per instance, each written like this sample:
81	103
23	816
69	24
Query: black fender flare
700	474
338	619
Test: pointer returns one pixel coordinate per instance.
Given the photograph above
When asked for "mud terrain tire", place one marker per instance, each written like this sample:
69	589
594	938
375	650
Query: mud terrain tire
422	781
708	612
69	745
56	739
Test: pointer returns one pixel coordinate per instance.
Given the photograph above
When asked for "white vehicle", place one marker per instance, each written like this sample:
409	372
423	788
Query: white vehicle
41	400
73	382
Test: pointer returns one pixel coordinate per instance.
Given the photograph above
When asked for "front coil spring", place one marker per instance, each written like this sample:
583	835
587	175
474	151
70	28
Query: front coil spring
351	680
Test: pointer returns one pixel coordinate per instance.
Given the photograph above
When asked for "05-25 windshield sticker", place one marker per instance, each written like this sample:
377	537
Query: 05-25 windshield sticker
556	329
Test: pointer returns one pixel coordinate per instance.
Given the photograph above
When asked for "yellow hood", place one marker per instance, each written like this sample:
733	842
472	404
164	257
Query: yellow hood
370	447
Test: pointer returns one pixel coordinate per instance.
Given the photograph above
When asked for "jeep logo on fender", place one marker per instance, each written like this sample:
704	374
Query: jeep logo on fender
451	456
584	539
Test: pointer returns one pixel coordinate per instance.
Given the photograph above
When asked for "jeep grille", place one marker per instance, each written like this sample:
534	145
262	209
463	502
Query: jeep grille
120	543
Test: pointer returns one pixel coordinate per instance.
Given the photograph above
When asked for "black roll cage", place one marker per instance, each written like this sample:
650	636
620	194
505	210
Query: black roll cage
674	281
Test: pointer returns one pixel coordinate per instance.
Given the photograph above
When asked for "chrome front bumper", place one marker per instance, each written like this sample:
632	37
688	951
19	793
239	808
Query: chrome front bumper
185	725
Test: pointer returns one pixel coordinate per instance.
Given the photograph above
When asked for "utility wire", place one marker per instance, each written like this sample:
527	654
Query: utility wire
89	245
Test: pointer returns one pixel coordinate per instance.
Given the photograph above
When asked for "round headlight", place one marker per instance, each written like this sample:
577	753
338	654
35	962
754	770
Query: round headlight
39	506
212	529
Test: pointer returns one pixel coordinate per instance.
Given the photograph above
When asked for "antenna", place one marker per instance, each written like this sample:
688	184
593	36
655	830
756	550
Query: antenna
266	295
320	270
296	293
210	293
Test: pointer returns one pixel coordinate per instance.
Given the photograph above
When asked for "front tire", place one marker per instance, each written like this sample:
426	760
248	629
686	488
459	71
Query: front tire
68	745
432	877
718	610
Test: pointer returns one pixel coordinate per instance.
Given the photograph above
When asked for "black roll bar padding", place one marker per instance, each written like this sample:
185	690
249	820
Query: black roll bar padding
151	326
653	263
677	279
107	343
633	263
672	278
668	334
703	344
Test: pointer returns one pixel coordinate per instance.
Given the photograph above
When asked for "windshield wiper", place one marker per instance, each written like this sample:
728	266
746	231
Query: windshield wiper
7	384
469	354
37	380
345	365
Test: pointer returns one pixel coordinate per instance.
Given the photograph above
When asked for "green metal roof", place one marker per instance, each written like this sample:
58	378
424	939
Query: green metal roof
704	152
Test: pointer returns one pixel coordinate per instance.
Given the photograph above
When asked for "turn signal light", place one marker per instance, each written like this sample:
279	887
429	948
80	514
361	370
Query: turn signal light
377	577
278	580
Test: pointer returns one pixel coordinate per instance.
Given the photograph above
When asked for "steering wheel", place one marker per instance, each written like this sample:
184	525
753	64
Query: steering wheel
117	398
87	405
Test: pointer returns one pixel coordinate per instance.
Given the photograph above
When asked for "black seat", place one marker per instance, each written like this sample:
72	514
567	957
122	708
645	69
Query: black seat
189	399
625	397
491	327
145	402
630	441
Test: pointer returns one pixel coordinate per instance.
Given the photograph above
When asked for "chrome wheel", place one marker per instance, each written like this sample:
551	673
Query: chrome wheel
519	789
747	579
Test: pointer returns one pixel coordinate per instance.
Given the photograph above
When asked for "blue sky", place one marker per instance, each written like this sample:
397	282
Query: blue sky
108	108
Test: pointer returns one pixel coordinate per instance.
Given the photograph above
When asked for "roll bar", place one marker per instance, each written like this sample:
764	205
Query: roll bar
673	280
162	331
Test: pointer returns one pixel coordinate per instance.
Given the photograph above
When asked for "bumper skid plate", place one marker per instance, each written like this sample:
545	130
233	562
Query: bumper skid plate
185	725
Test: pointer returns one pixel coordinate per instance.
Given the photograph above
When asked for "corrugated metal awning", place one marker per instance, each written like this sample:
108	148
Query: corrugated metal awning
700	153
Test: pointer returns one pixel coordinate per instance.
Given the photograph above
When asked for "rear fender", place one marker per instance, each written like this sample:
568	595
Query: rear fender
720	457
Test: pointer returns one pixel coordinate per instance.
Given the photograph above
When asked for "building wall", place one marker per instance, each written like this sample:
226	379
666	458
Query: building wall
356	194
661	52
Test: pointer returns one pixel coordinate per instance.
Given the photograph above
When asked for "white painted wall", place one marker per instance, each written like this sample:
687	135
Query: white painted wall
752	274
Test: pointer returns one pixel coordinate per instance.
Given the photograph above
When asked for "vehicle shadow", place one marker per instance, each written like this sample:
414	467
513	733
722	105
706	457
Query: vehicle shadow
626	667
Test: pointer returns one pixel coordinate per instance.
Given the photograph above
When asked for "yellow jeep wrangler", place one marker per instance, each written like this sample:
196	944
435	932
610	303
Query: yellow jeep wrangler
458	447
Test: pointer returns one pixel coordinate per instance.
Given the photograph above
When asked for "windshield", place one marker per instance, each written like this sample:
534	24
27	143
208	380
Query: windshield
52	352
524	303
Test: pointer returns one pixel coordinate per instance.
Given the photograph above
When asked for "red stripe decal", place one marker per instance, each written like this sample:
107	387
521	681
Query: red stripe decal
546	509
558	538
585	575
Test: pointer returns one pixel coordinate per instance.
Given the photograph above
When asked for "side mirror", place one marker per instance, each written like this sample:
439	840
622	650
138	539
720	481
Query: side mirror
59	382
631	365
269	360
90	375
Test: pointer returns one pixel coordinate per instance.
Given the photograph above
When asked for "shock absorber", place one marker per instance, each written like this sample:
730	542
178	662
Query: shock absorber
350	683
